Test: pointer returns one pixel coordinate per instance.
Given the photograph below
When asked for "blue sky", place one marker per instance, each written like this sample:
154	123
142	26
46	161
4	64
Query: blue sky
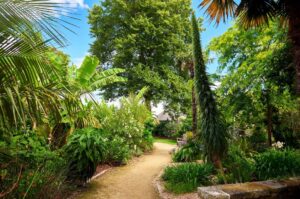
79	43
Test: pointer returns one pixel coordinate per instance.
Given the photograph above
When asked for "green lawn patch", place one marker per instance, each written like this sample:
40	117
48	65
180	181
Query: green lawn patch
165	140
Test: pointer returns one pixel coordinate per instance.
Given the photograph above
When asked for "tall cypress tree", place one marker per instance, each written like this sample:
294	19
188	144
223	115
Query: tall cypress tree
212	129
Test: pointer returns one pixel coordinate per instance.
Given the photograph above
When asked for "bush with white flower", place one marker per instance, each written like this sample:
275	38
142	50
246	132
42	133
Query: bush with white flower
278	145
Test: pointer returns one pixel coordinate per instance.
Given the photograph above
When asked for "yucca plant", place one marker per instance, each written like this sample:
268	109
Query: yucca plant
213	132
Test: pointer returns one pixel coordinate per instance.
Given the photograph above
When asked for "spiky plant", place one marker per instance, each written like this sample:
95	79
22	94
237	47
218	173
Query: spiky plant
213	132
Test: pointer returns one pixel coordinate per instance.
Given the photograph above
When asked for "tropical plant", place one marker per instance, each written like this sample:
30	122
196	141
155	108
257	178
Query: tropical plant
84	150
187	177
27	87
190	152
212	127
82	82
255	13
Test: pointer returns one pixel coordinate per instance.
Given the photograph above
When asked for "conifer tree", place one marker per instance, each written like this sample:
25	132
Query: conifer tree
212	130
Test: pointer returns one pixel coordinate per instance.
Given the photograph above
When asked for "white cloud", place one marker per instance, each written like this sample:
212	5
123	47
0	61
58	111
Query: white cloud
73	3
78	61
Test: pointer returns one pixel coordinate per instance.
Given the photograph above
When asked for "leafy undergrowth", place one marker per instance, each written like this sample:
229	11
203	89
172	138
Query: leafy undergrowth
186	177
239	167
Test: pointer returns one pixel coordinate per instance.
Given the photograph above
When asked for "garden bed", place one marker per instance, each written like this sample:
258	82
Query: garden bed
164	194
271	189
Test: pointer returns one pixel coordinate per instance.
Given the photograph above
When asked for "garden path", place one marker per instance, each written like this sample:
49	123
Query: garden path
133	181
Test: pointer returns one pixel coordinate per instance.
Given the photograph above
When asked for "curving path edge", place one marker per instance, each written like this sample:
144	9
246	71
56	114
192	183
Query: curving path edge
133	181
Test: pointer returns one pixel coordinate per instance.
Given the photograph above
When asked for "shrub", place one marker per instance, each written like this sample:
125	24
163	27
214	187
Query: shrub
147	141
32	166
127	122
239	167
84	150
185	125
277	164
258	140
188	153
30	147
166	129
118	151
186	177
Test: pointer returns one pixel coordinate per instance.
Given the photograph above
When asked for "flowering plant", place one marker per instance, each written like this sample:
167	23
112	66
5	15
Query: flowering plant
278	145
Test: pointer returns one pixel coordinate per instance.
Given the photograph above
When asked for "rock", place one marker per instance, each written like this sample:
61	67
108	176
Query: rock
212	192
271	189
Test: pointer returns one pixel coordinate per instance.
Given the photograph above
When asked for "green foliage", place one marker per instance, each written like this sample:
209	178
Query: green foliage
118	152
129	122
166	129
188	153
259	76
277	164
187	177
212	128
144	38
185	126
258	140
84	150
28	146
147	141
239	167
32	167
28	81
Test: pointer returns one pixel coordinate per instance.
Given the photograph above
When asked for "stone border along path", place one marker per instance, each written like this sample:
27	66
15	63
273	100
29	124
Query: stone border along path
133	181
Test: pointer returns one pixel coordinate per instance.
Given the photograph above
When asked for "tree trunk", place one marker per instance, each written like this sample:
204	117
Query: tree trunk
148	102
216	160
194	103
270	123
269	116
59	135
293	11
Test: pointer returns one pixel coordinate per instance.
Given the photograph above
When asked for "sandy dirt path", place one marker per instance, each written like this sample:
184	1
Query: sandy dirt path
133	181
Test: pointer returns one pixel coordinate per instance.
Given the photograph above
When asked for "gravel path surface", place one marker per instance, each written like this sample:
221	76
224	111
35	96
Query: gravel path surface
133	181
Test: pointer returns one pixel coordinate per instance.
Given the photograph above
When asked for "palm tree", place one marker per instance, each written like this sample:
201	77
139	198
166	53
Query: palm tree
213	132
27	86
253	13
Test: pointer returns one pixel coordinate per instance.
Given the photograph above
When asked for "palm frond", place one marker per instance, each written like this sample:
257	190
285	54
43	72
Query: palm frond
253	13
40	15
219	9
29	85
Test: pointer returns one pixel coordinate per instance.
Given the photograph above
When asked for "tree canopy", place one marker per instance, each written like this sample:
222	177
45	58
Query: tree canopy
258	80
145	38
